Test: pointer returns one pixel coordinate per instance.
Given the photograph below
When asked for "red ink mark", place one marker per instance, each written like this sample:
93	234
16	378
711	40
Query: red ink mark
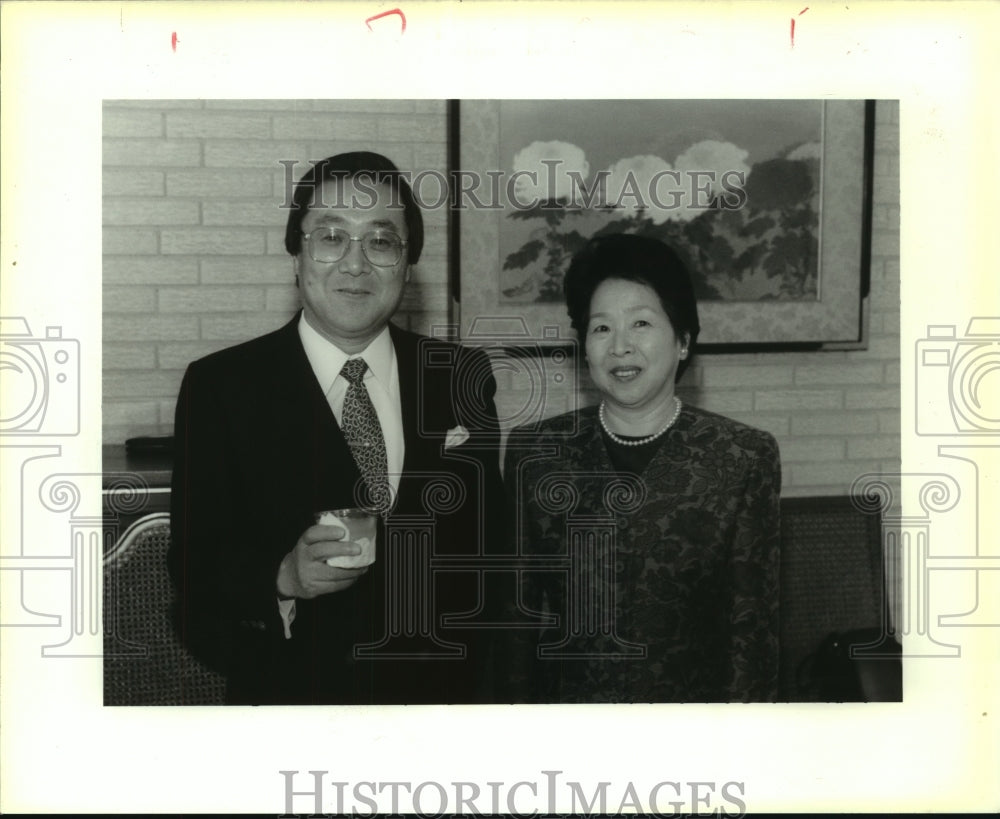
792	33
173	41
402	17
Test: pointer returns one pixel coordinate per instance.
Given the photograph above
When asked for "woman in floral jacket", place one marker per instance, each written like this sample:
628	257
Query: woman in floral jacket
647	529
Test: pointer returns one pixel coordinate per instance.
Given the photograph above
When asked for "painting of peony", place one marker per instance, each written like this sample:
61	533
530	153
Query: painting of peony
734	185
765	199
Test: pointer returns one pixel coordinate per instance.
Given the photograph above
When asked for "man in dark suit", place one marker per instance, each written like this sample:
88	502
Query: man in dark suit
337	409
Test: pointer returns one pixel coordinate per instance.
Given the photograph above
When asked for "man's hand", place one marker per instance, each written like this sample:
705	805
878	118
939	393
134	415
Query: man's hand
303	571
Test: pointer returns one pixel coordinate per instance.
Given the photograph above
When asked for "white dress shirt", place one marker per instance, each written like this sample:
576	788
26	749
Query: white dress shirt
382	382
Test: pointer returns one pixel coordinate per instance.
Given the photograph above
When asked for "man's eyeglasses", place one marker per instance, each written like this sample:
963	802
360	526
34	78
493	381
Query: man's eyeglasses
383	248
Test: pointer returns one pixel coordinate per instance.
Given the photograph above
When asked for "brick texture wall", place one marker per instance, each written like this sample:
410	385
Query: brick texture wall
194	256
194	261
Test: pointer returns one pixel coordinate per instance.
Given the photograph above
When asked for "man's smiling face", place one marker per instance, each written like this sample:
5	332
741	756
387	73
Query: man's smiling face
351	300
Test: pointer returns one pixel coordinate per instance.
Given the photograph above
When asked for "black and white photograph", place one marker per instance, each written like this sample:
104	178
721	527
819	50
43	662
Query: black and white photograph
637	548
418	421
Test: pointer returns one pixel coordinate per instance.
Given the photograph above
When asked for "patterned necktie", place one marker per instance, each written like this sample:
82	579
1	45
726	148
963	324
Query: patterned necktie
363	432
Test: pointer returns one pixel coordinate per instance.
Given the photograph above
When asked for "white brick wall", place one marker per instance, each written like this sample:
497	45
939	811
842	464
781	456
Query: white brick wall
194	261
194	256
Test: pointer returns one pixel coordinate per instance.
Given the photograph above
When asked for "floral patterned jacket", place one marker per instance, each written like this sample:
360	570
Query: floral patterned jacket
658	587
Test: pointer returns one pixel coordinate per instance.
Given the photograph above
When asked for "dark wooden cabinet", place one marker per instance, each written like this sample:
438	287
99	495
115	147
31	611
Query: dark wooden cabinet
134	487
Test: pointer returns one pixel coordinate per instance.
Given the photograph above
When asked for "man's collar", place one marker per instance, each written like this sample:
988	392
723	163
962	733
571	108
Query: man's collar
327	358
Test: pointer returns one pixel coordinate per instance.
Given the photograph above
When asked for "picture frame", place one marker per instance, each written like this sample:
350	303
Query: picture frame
827	312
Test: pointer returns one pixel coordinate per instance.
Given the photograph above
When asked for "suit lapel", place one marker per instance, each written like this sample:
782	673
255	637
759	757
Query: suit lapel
423	397
407	368
296	384
302	405
293	372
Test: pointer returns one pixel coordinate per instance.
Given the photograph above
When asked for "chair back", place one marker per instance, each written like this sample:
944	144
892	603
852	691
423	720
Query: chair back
832	593
145	662
831	584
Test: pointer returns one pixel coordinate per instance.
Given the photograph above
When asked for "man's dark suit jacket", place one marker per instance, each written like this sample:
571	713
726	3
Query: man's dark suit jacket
258	453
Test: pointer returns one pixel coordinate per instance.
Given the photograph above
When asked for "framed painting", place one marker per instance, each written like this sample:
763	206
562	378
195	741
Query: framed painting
768	201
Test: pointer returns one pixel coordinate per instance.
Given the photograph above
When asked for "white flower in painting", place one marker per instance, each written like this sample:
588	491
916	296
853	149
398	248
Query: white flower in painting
807	150
706	165
649	183
544	170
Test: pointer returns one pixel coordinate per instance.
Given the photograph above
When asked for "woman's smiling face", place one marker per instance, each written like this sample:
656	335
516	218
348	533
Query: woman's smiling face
632	349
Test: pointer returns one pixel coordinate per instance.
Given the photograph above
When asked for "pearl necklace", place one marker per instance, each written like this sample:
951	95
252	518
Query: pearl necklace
639	441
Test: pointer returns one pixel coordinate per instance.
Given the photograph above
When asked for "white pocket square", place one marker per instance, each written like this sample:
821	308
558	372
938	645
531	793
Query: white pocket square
455	437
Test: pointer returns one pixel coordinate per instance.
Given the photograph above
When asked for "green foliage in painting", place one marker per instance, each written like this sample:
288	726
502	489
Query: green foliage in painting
767	248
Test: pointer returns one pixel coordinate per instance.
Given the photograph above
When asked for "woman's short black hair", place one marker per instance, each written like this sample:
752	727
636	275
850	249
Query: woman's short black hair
375	169
639	259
